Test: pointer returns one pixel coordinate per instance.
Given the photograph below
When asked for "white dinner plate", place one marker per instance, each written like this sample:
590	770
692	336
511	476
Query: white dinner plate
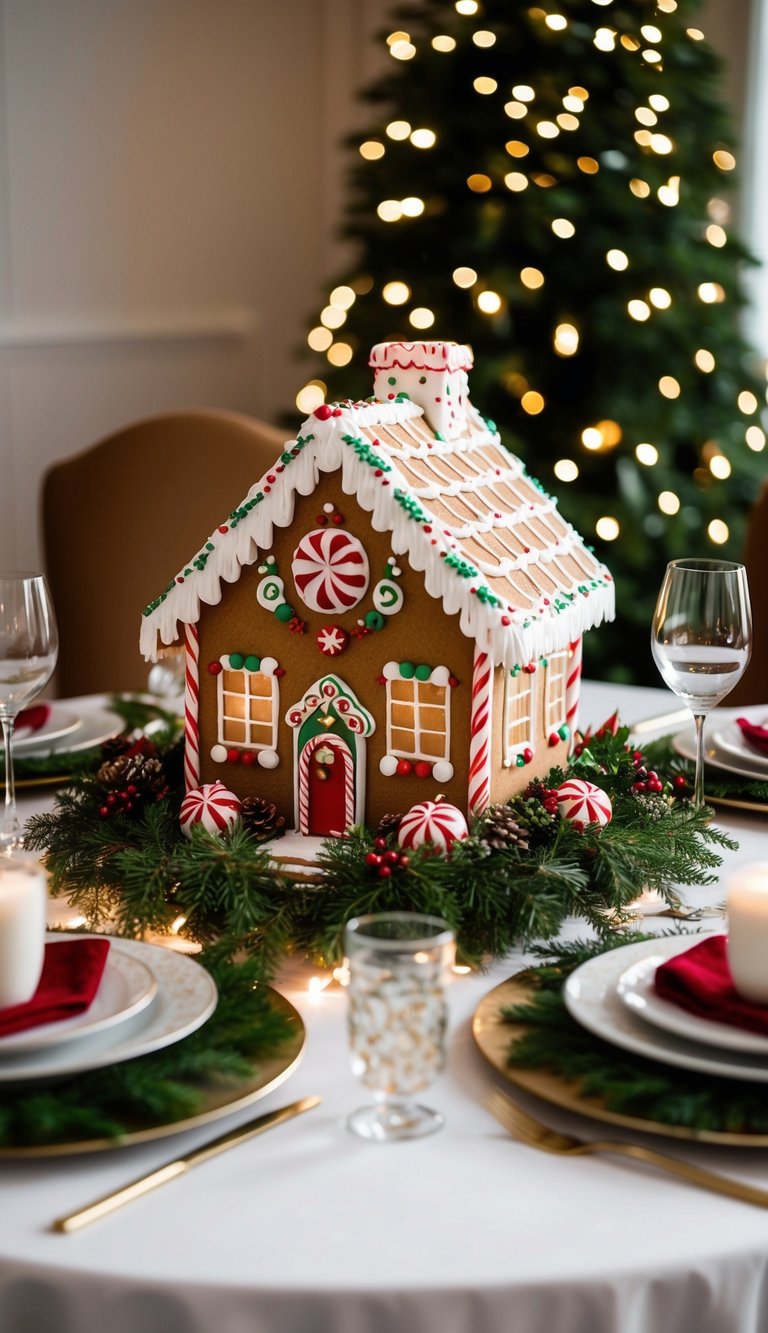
95	727
591	997
186	996
127	986
729	740
635	989
59	722
685	744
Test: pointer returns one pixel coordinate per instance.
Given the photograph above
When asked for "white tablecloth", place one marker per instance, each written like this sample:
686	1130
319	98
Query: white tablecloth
310	1230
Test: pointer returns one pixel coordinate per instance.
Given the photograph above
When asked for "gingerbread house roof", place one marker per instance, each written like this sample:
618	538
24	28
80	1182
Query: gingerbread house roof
489	540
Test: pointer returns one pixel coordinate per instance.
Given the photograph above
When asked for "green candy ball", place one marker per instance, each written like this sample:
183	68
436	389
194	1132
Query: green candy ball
407	670
423	672
252	663
236	661
284	612
374	620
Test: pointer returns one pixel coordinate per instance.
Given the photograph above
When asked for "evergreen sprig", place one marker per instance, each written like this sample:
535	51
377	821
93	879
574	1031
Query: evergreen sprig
626	1083
166	1085
135	872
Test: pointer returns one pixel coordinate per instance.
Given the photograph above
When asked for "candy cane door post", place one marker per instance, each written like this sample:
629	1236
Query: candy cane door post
327	774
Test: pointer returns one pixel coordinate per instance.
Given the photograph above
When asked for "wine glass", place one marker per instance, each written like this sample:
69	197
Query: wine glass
29	646
398	966
701	638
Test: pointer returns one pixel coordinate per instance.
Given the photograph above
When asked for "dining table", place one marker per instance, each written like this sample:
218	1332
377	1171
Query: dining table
311	1229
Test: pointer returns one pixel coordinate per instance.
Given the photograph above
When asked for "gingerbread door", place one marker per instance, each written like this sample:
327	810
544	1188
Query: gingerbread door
330	730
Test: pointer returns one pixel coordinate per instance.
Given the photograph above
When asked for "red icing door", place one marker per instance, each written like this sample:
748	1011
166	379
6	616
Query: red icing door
329	776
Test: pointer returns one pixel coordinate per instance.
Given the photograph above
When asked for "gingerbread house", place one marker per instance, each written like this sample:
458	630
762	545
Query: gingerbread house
395	610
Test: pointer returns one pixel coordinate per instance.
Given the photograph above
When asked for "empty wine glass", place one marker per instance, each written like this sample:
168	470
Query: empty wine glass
29	646
701	638
398	966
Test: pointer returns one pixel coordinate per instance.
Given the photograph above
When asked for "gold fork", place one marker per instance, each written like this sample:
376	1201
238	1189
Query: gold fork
531	1131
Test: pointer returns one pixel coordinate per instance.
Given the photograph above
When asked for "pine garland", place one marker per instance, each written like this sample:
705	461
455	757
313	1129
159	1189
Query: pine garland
626	1083
136	871
717	782
165	1085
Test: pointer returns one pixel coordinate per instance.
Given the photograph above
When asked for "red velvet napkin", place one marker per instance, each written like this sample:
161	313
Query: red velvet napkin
754	735
32	719
72	970
700	982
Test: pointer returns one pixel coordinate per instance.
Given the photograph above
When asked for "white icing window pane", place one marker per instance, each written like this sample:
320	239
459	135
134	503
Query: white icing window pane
248	705
418	719
518	715
554	693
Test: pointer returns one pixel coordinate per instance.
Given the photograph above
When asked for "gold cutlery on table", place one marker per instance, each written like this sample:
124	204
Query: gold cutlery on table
180	1165
536	1135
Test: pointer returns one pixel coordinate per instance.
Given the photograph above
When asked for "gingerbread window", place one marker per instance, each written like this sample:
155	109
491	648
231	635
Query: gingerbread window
555	674
518	715
419	713
248	702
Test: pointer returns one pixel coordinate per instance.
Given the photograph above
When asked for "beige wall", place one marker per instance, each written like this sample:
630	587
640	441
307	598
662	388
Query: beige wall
170	180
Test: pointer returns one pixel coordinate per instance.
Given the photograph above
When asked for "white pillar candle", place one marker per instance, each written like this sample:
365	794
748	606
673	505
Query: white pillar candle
23	895
748	931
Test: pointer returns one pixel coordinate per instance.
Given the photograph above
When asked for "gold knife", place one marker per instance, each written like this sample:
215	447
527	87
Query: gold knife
180	1166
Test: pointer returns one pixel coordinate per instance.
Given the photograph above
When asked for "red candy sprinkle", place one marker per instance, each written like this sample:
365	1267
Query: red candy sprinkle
233	756
323	412
422	769
214	668
404	767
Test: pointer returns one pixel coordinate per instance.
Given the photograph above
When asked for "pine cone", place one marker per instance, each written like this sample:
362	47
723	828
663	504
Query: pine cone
261	819
112	770
500	831
388	824
146	774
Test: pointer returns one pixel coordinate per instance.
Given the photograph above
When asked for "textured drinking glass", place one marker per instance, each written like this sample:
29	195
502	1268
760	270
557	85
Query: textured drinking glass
701	638
398	967
29	645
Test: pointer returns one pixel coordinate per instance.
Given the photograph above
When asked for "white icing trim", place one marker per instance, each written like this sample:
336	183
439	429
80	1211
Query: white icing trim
248	677
515	689
507	635
417	729
554	690
421	356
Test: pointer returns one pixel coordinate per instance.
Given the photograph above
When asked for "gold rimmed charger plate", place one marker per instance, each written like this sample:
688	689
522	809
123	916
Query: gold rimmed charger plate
218	1100
493	1038
733	803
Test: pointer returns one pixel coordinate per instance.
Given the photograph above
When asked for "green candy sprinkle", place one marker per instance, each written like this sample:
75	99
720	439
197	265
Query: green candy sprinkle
252	663
423	672
407	670
236	661
374	620
284	612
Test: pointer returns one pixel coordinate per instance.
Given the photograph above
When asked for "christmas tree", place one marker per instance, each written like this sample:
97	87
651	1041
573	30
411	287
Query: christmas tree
549	186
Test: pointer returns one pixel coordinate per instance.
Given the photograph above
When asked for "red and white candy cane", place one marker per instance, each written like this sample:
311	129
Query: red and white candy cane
480	735
573	684
191	707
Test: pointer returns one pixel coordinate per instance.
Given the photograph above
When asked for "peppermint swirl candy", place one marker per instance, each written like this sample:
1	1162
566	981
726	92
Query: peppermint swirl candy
583	803
330	570
213	806
436	822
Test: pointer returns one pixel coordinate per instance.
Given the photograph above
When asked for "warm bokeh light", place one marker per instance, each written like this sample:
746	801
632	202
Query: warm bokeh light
532	403
422	317
523	92
464	277
563	228
311	396
467	7
755	438
607	528
489	302
659	102
661	143
516	110
479	183
402	50
340	354
639	310
747	402
423	138
669	387
711	293
592	438
444	43
641	189
516	181
412	207
516	148
342	297
617	259
484	85
319	339
716	235
398	129
557	22
645	115
704	360
719	466
650	32
669	194
389	210
647	454
396	293
660	298
573	103
718	532
532	278
332	317
372	150
484	38
724	160
547	129
605	39
588	165
566	339
669	503
566	470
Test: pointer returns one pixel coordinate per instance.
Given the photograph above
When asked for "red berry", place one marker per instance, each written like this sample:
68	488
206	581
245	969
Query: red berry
392	857
550	805
104	812
422	769
679	782
111	799
132	789
638	786
404	861
385	872
373	859
380	843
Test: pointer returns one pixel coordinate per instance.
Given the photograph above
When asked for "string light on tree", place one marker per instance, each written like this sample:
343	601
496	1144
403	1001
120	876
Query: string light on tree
590	348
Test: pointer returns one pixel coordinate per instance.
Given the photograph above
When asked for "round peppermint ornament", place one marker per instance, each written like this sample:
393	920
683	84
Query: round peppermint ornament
213	806
583	803
330	570
436	822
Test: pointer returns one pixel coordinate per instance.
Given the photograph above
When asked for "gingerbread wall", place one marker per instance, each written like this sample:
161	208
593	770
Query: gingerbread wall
420	633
